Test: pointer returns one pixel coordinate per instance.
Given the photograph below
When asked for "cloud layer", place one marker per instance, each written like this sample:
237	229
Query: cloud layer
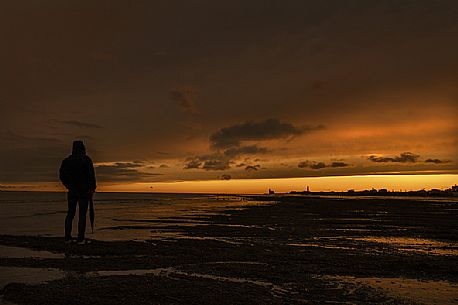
123	171
229	83
321	165
208	162
402	158
269	129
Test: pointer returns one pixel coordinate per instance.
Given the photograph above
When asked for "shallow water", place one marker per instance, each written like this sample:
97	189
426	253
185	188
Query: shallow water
119	216
164	216
422	291
169	272
43	275
419	245
19	252
320	246
28	275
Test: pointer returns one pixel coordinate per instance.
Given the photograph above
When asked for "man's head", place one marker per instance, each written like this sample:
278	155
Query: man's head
78	148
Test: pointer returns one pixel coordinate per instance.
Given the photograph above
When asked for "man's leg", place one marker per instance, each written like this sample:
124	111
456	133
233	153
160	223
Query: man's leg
83	204
72	201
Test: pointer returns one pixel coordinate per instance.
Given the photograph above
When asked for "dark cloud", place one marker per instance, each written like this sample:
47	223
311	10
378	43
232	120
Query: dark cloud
250	168
193	163
320	165
132	164
185	98
293	60
222	161
226	177
437	161
406	157
216	164
123	171
79	124
311	164
338	164
208	162
270	129
164	166
245	150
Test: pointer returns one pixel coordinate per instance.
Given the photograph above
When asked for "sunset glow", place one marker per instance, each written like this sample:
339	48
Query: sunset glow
225	95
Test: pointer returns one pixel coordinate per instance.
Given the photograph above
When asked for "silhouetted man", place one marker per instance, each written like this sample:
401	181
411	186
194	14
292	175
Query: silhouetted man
77	175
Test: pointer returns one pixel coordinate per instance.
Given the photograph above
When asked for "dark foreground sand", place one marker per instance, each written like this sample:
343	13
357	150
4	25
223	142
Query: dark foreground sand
286	250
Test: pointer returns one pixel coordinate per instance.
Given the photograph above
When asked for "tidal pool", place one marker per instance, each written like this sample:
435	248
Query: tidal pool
28	275
20	252
419	245
421	291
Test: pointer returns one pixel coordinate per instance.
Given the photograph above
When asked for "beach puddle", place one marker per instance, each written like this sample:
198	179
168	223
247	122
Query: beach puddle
320	246
418	245
155	272
175	237
422	291
28	275
275	290
20	252
353	230
234	262
356	219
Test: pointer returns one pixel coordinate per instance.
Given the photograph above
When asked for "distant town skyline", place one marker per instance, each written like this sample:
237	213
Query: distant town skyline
220	96
401	183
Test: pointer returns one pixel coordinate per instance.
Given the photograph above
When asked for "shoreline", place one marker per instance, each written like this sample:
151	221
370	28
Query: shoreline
285	249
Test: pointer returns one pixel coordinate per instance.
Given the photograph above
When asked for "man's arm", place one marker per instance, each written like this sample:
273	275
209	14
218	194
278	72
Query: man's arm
91	176
63	174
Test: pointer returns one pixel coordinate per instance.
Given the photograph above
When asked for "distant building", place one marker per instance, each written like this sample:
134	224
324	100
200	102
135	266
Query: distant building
271	192
455	190
435	192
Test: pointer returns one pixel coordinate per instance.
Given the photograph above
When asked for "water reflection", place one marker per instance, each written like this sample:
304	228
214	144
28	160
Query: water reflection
19	252
421	291
28	275
419	245
43	213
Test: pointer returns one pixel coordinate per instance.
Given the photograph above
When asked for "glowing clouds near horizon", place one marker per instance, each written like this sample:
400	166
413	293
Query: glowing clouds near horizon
290	89
259	186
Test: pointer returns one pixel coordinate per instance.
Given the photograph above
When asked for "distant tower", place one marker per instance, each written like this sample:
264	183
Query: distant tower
308	190
271	192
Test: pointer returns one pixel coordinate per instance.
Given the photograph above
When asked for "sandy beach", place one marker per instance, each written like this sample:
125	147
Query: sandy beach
264	250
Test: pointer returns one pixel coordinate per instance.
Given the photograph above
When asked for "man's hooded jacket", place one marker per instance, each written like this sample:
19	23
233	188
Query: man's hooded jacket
77	171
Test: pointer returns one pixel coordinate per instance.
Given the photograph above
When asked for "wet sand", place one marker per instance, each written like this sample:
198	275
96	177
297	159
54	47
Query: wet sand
285	250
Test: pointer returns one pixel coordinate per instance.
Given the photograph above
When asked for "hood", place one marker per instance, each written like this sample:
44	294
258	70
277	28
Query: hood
78	148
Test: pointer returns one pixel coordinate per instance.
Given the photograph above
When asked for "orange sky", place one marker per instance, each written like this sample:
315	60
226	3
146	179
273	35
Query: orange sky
229	90
256	186
259	186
